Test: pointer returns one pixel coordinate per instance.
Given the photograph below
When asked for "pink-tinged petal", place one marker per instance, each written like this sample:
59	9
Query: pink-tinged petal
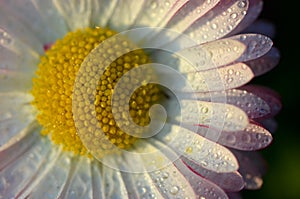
52	177
79	183
97	180
220	21
15	115
76	13
269	96
114	186
257	45
102	12
255	8
232	181
202	187
22	170
254	137
220	116
211	55
252	168
127	10
208	154
265	63
254	106
168	180
189	13
157	13
219	79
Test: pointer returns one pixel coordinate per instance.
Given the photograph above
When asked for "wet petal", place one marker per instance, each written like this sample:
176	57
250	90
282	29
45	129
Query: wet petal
76	13
220	21
53	176
22	170
208	154
232	181
16	114
216	115
127	10
102	11
254	137
113	183
219	79
265	63
97	179
157	13
255	8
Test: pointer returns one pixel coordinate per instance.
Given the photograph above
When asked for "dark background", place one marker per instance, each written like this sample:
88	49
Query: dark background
283	177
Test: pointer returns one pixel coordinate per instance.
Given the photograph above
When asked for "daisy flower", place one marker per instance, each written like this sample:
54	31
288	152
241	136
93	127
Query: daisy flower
133	98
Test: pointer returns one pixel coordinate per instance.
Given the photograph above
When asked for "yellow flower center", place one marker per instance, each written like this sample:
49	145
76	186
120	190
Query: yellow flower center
53	94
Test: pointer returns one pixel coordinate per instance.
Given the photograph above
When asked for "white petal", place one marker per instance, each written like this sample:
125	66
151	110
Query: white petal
77	13
98	186
21	172
13	43
211	55
220	21
218	79
12	149
15	35
16	114
202	188
53	176
189	13
125	14
253	105
79	184
102	11
220	116
16	70
28	14
50	16
254	137
265	63
138	185
156	13
208	154
167	178
114	184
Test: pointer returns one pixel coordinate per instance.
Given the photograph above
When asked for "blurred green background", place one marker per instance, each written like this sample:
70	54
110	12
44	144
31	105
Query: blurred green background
283	156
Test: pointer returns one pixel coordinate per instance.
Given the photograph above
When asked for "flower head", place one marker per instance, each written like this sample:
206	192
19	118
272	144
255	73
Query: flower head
132	99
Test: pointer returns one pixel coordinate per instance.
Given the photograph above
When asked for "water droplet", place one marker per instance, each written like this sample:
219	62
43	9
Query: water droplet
174	190
204	109
242	4
233	15
230	71
142	190
153	5
231	139
214	26
165	175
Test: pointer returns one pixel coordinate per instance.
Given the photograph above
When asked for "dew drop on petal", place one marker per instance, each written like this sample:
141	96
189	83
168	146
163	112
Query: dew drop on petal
174	190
